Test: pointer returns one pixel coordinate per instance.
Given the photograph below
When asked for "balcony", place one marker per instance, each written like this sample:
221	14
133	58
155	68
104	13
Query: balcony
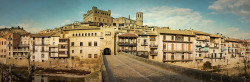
201	45
176	41
53	45
127	50
177	51
19	56
144	44
63	55
153	46
202	50
153	53
127	44
53	51
178	60
198	58
24	45
20	50
41	44
202	39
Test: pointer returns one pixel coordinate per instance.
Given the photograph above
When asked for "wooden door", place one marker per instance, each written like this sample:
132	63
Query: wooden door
172	46
182	47
189	47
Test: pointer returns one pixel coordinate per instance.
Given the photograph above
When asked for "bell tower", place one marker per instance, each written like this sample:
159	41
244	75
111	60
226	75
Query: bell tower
139	18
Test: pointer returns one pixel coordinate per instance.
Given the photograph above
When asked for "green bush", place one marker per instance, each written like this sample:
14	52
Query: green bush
207	65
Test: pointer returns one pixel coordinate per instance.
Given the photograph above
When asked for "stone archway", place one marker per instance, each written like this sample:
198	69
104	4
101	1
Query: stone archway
107	51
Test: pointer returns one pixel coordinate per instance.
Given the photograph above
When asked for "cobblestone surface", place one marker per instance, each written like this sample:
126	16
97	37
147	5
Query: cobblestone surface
126	69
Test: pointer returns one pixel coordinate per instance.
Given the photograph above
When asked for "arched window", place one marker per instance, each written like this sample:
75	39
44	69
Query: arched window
79	34
76	34
92	34
85	34
73	34
95	34
82	34
89	34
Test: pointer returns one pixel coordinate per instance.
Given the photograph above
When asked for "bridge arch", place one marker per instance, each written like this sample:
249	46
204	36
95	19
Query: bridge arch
107	51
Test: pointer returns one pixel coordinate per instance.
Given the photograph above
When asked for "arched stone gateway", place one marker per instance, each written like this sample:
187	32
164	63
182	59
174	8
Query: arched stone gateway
107	51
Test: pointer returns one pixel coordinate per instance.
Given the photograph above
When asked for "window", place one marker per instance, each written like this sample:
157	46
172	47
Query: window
95	55
95	43
172	37
76	34
63	46
79	34
89	43
73	51
80	51
81	43
189	39
85	34
92	34
33	57
73	34
90	55
164	46
95	18
72	43
88	34
42	56
95	34
82	34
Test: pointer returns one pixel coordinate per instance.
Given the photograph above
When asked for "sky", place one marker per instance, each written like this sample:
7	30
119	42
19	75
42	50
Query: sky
230	18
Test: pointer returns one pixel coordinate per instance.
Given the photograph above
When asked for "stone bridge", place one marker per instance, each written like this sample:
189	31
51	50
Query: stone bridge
122	68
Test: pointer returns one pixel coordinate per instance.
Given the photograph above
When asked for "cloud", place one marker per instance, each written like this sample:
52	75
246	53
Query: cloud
3	26
30	26
184	18
115	15
233	29
236	7
180	18
82	12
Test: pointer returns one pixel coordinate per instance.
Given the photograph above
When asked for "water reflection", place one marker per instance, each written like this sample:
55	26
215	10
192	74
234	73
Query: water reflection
43	78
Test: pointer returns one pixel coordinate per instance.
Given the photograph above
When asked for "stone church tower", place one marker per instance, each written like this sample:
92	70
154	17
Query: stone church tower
139	18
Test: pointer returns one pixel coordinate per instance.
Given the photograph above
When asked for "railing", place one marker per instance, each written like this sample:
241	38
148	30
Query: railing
202	50
20	50
127	43
153	46
127	50
144	44
19	56
153	53
178	51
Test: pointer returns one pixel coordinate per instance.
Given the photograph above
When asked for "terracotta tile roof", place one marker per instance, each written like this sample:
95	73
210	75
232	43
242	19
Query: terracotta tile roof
216	36
198	32
128	35
145	33
179	32
233	40
42	35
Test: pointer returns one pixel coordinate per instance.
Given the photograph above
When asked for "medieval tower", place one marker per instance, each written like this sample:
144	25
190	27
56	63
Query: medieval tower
139	18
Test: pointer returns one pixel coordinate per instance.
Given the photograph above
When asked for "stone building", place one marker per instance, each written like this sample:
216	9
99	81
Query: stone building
96	15
175	45
201	44
3	50
127	43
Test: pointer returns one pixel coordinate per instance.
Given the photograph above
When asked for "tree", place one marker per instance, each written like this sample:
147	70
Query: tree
207	65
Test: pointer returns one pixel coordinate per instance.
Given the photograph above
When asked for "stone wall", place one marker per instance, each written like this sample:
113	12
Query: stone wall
198	74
